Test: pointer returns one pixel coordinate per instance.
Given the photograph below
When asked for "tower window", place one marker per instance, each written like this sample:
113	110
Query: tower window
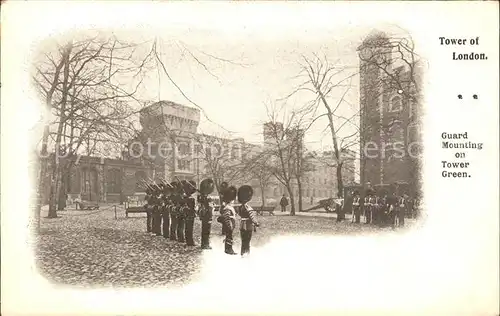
395	104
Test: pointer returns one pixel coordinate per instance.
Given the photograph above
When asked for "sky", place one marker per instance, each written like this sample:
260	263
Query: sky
234	96
233	73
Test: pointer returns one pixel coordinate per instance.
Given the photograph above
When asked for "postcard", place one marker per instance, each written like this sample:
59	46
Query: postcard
226	158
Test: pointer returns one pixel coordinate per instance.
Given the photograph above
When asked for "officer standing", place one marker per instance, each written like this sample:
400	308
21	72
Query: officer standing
181	215
190	212
392	205
174	206
402	204
223	186
205	212
147	207
157	212
228	219
166	211
248	221
356	205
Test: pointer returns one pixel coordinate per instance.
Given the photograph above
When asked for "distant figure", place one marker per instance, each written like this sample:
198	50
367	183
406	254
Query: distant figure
312	200
356	207
283	203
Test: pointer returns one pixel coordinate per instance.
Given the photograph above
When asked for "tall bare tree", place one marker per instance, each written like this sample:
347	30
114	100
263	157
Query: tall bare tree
283	147
88	84
330	82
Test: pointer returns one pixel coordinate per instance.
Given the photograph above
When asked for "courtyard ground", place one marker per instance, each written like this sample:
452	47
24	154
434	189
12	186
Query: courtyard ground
83	248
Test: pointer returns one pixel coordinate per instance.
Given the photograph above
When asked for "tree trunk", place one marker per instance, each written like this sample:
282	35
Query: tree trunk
43	172
340	182
263	194
56	172
299	187
292	200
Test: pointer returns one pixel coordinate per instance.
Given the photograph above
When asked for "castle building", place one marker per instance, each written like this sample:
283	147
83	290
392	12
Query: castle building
390	111
169	147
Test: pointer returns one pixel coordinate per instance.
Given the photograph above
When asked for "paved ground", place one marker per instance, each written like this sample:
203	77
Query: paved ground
93	248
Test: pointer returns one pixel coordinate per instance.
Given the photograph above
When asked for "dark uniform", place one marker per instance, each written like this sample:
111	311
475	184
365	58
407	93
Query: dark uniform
166	216
375	200
181	221
356	208
205	214
228	223
147	207
173	220
190	214
391	206
248	224
223	186
367	208
221	209
157	215
228	219
401	210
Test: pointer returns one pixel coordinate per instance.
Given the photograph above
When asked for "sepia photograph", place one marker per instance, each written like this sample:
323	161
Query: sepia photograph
288	161
160	147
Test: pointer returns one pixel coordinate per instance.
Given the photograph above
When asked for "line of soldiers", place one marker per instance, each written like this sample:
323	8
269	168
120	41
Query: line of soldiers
171	209
383	209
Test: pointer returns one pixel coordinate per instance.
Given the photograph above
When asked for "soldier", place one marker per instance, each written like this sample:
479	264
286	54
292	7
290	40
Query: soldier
376	205
416	207
205	211
166	211
248	221
402	203
356	205
147	207
223	186
174	206
189	211
392	206
157	212
228	219
373	204
181	214
367	208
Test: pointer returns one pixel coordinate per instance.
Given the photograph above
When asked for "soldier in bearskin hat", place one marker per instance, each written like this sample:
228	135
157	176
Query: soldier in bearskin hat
147	207
223	186
157	210
356	207
205	211
248	222
228	218
189	211
174	206
181	214
166	210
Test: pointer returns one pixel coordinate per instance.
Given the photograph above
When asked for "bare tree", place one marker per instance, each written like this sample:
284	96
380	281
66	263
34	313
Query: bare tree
89	84
258	169
283	148
323	77
80	83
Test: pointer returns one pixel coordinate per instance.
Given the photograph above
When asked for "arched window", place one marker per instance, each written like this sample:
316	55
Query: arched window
395	104
396	131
